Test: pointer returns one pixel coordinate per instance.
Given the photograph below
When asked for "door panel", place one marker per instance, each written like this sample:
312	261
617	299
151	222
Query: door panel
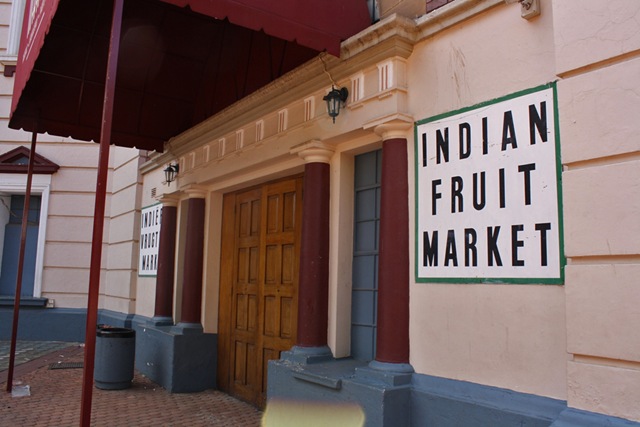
245	293
262	236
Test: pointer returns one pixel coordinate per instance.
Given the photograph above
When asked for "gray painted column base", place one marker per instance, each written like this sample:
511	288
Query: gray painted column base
308	355
181	363
336	382
389	378
187	328
160	321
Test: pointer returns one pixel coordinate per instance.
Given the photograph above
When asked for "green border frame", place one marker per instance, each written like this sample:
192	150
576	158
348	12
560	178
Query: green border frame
494	280
138	264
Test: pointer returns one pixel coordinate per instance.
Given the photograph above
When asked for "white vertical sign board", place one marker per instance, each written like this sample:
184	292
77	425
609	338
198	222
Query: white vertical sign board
149	240
488	192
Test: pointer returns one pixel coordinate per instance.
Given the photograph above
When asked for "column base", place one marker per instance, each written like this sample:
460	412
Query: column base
184	328
160	321
181	363
395	368
308	355
391	374
384	398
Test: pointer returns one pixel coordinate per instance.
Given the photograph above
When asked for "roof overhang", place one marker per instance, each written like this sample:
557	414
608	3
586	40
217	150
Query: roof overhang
180	62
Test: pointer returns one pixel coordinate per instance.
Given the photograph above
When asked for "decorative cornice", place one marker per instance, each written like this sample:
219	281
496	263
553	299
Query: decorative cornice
10	162
449	15
395	27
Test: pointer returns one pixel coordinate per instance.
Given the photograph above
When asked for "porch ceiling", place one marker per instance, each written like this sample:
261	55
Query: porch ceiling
180	62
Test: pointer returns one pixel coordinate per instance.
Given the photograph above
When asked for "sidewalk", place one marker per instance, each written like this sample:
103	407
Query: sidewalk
55	396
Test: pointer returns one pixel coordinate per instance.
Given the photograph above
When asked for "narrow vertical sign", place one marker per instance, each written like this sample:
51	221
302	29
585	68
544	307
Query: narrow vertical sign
149	240
488	192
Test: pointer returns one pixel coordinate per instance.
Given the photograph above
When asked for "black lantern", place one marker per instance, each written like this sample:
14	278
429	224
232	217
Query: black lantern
170	173
334	99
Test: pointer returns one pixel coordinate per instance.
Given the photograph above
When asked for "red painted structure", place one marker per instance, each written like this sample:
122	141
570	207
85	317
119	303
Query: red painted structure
313	289
193	262
166	263
392	345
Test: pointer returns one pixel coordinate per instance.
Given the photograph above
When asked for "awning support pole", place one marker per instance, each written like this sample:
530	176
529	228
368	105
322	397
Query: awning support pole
23	242
98	218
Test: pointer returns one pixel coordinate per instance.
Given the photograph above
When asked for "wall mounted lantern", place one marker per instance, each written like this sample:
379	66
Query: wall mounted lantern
170	173
334	99
530	8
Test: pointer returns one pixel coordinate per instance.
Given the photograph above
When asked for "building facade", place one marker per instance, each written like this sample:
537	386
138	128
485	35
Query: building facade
54	288
456	247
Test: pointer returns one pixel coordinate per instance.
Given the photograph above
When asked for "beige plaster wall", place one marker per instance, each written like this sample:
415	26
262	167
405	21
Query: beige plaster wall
70	218
145	291
71	202
598	97
122	235
510	336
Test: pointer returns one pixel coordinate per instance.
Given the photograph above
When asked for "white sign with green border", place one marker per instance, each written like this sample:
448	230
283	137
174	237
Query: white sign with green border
150	220
488	192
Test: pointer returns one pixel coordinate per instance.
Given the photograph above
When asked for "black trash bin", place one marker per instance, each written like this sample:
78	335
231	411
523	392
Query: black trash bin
115	357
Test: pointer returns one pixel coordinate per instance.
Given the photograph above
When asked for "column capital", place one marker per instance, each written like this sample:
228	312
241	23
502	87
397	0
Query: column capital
314	151
391	127
169	200
195	191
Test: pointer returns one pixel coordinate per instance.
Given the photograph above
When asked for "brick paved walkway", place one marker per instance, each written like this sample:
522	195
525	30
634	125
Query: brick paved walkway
55	396
28	350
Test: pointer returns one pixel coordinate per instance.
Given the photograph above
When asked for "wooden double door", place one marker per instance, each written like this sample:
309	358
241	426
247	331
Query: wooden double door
259	284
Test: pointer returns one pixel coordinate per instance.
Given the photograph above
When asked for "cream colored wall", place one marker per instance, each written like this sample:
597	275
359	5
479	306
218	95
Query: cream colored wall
70	223
71	202
510	336
145	291
577	342
122	232
599	65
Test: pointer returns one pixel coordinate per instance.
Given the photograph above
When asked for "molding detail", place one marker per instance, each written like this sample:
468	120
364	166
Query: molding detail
314	152
168	200
17	161
195	191
390	127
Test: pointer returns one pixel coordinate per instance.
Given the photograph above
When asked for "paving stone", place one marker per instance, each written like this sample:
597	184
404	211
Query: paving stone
56	397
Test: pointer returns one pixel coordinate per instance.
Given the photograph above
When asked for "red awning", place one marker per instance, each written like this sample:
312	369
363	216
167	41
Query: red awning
180	62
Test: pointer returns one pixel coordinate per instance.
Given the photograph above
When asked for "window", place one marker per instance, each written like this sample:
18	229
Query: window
364	293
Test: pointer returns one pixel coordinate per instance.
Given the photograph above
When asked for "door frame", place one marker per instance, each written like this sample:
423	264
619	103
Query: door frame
16	184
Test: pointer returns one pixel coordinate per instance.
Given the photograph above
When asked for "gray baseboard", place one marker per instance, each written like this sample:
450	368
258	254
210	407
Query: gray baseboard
576	418
45	324
445	402
426	401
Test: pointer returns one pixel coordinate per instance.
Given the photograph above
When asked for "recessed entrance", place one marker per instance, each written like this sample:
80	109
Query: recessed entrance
259	284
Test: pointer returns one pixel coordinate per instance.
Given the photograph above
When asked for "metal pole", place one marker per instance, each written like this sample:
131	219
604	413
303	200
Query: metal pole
23	242
98	219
